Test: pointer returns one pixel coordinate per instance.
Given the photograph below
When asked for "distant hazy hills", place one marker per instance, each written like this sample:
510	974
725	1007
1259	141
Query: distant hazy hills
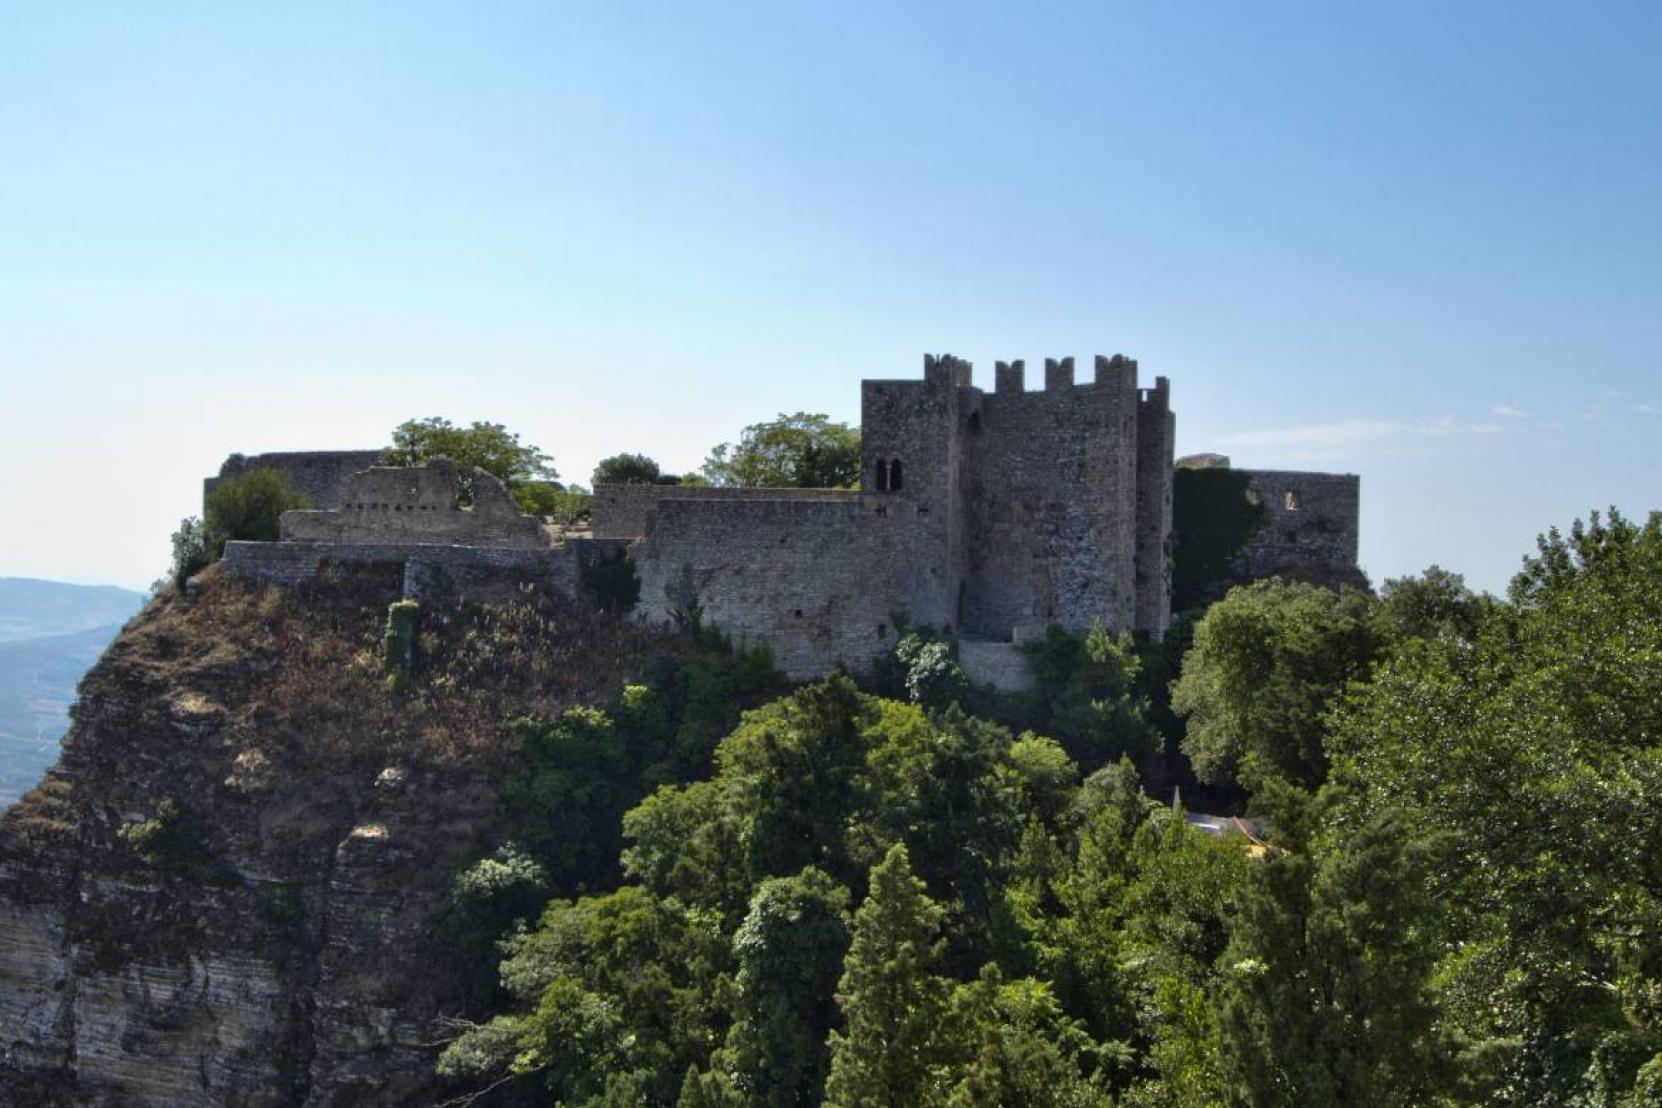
50	634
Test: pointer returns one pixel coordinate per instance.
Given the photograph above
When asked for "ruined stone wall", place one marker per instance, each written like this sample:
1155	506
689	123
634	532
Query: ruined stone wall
391	504
315	474
1051	501
796	574
1310	527
1156	438
626	511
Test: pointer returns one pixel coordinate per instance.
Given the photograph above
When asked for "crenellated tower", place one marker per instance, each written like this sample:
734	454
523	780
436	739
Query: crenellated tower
1014	509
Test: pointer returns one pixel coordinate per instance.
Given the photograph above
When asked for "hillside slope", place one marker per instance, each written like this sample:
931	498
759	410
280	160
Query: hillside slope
223	893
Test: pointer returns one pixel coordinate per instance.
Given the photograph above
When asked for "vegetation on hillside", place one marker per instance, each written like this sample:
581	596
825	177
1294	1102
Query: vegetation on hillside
898	899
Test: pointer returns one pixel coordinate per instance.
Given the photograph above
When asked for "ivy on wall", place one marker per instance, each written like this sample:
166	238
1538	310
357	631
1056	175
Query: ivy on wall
1212	519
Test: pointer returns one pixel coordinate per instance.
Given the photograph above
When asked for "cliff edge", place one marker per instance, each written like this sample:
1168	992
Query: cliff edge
224	892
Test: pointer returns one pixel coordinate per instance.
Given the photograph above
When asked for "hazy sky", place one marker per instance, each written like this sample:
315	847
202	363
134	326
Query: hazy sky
1422	244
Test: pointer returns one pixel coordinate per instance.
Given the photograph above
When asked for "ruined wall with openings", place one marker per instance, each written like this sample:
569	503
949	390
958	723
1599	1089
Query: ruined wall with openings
315	474
419	504
1310	528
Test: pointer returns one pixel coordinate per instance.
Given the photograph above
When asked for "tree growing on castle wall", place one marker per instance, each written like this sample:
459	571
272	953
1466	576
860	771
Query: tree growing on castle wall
526	470
801	451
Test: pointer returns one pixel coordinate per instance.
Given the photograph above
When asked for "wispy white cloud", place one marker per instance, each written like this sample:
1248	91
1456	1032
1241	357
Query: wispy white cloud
1646	409
1351	432
1508	411
1343	433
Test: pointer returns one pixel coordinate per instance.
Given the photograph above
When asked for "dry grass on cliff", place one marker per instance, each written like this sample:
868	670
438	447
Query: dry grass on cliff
268	691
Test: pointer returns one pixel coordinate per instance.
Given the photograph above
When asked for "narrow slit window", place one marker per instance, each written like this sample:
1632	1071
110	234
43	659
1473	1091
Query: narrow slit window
895	481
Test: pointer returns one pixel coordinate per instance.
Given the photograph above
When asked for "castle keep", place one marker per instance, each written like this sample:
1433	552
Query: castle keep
989	514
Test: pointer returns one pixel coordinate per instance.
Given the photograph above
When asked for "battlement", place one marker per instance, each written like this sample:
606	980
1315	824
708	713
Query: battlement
1010	377
1058	374
945	369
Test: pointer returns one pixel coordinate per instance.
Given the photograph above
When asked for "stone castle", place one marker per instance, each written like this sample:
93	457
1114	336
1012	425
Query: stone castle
990	515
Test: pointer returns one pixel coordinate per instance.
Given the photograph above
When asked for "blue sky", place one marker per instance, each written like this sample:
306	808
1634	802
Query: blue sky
1419	242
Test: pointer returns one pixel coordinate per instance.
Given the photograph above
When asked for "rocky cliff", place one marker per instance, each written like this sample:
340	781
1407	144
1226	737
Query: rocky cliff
225	891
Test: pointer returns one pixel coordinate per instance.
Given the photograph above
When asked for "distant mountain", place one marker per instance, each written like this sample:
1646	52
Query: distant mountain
50	634
34	609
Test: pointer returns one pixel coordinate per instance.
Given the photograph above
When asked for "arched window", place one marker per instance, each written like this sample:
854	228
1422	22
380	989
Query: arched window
882	475
895	482
1289	500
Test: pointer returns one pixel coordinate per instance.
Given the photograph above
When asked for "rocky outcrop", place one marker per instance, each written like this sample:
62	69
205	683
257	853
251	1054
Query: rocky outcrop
226	891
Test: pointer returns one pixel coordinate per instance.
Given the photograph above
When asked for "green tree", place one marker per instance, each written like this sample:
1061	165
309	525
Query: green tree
525	469
1328	1000
618	991
805	451
1535	749
1436	602
790	950
1268	662
1018	1049
933	676
566	794
193	551
487	446
888	1054
626	469
793	770
248	507
1090	697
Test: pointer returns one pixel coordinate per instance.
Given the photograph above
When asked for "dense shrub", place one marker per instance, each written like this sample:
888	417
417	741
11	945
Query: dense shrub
249	507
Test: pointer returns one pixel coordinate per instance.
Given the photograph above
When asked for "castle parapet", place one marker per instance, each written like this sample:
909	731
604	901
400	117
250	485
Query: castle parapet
1010	377
1058	374
1118	371
945	369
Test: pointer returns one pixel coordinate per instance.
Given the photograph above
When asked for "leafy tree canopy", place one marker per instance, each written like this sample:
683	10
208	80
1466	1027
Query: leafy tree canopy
803	451
1268	661
628	469
487	446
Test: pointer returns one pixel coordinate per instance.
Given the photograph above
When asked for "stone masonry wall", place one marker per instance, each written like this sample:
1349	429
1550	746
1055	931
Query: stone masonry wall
1050	501
1156	436
626	511
315	474
918	425
1310	528
792	573
390	504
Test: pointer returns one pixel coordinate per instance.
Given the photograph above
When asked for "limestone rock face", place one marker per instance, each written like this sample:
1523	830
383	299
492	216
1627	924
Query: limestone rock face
226	893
